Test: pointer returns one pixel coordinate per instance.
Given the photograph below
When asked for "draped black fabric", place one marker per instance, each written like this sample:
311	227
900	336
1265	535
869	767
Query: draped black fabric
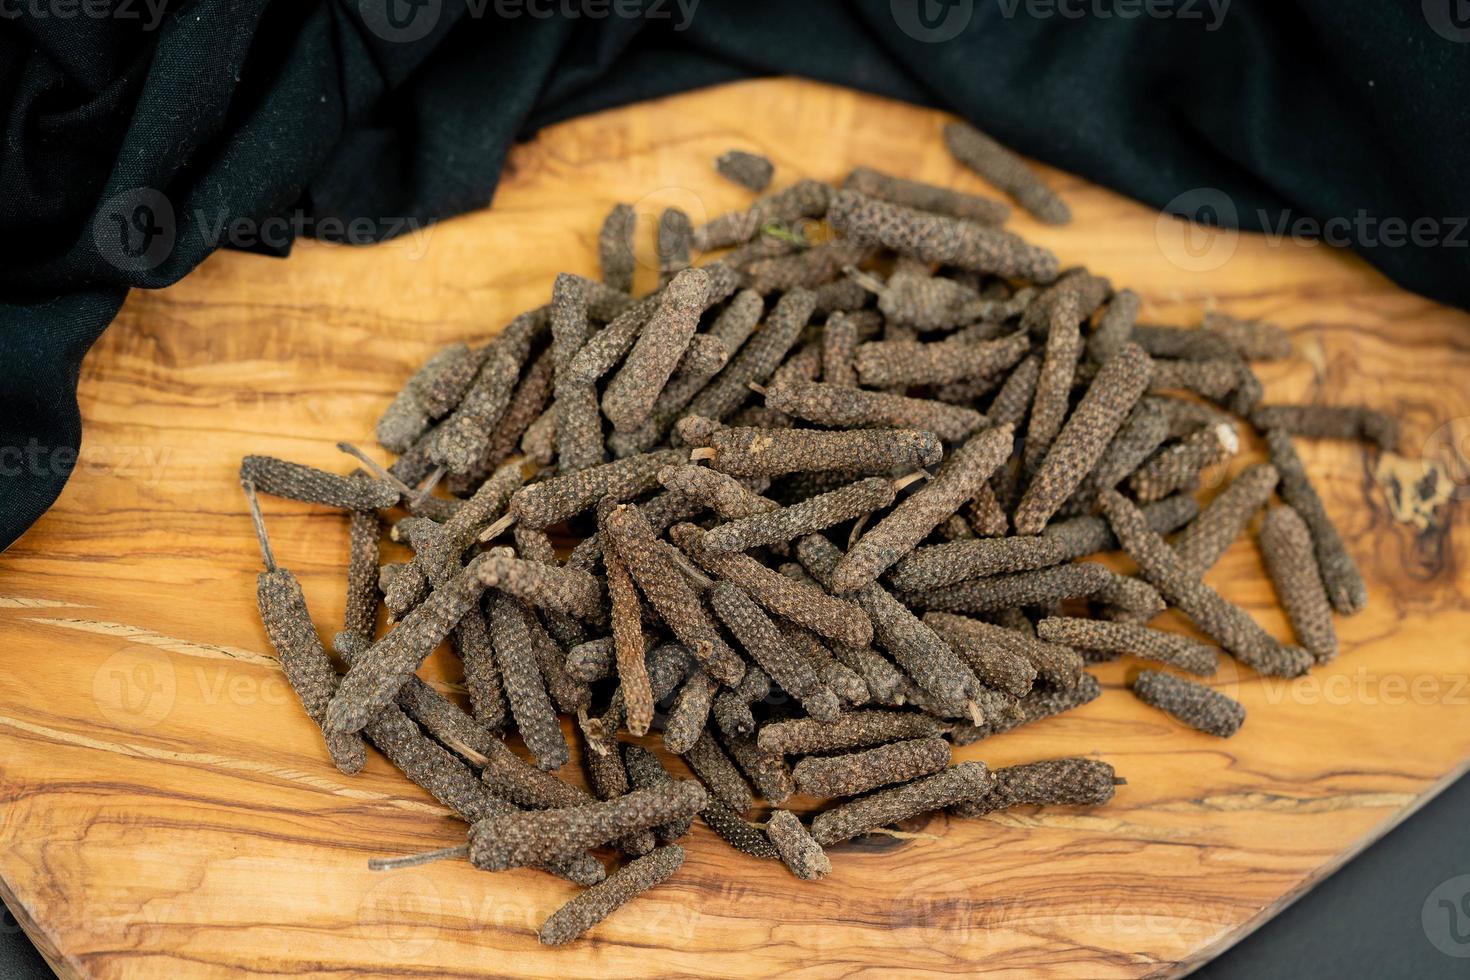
140	134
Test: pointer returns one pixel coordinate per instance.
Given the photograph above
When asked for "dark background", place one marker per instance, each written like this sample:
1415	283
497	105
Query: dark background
1364	921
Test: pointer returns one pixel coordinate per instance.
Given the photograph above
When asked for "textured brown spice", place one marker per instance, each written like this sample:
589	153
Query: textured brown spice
690	711
1173	649
926	197
1330	422
799	851
675	239
935	566
615	248
1058	666
1209	379
1142	433
858	772
540	505
927	659
718	773
1190	702
1054	782
891	363
631	392
851	407
804	199
851	730
430	392
1084	438
1007	171
732	706
750	170
839	344
1082	536
758	358
525	689
1287	546
1202	542
562	589
1182	343
669	593
723	494
763	641
738	832
1255	340
797	602
840	679
812	514
645	772
295	481
1003	669
746	452
1340	575
383	668
961	477
768	773
1115	326
1178	467
987	518
1054	384
629	644
1035	588
516	839
1224	622
809	269
1039	704
606	897
958	784
591	661
938	238
523	784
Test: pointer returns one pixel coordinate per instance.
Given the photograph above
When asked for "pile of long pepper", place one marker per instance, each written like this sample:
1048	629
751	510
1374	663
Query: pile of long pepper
825	497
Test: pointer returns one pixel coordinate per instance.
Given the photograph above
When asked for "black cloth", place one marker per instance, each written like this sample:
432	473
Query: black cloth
135	142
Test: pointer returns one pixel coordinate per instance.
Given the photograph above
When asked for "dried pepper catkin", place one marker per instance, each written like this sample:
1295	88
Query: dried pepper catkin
675	239
859	772
797	602
690	711
1329	422
1039	704
760	638
750	170
1081	536
732	707
744	451
896	535
645	772
1040	587
931	663
1142	433
1003	669
958	784
718	773
430	392
304	662
1007	171
1340	573
758	358
669	593
382	669
543	504
851	730
1173	649
1213	379
1054	782
1084	438
937	238
1255	340
1179	467
851	407
723	494
804	199
809	269
890	363
360	618
1057	665
1115	326
606	897
738	832
812	514
516	839
935	566
798	849
562	589
1201	543
629	644
295	481
839	344
926	197
525	688
1287	545
615	248
1192	703
1054	384
591	661
632	391
1226	623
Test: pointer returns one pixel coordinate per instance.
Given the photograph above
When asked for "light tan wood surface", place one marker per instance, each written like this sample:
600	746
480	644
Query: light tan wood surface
168	810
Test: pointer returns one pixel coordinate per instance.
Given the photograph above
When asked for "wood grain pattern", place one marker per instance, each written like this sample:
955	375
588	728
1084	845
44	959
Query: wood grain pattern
168	809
